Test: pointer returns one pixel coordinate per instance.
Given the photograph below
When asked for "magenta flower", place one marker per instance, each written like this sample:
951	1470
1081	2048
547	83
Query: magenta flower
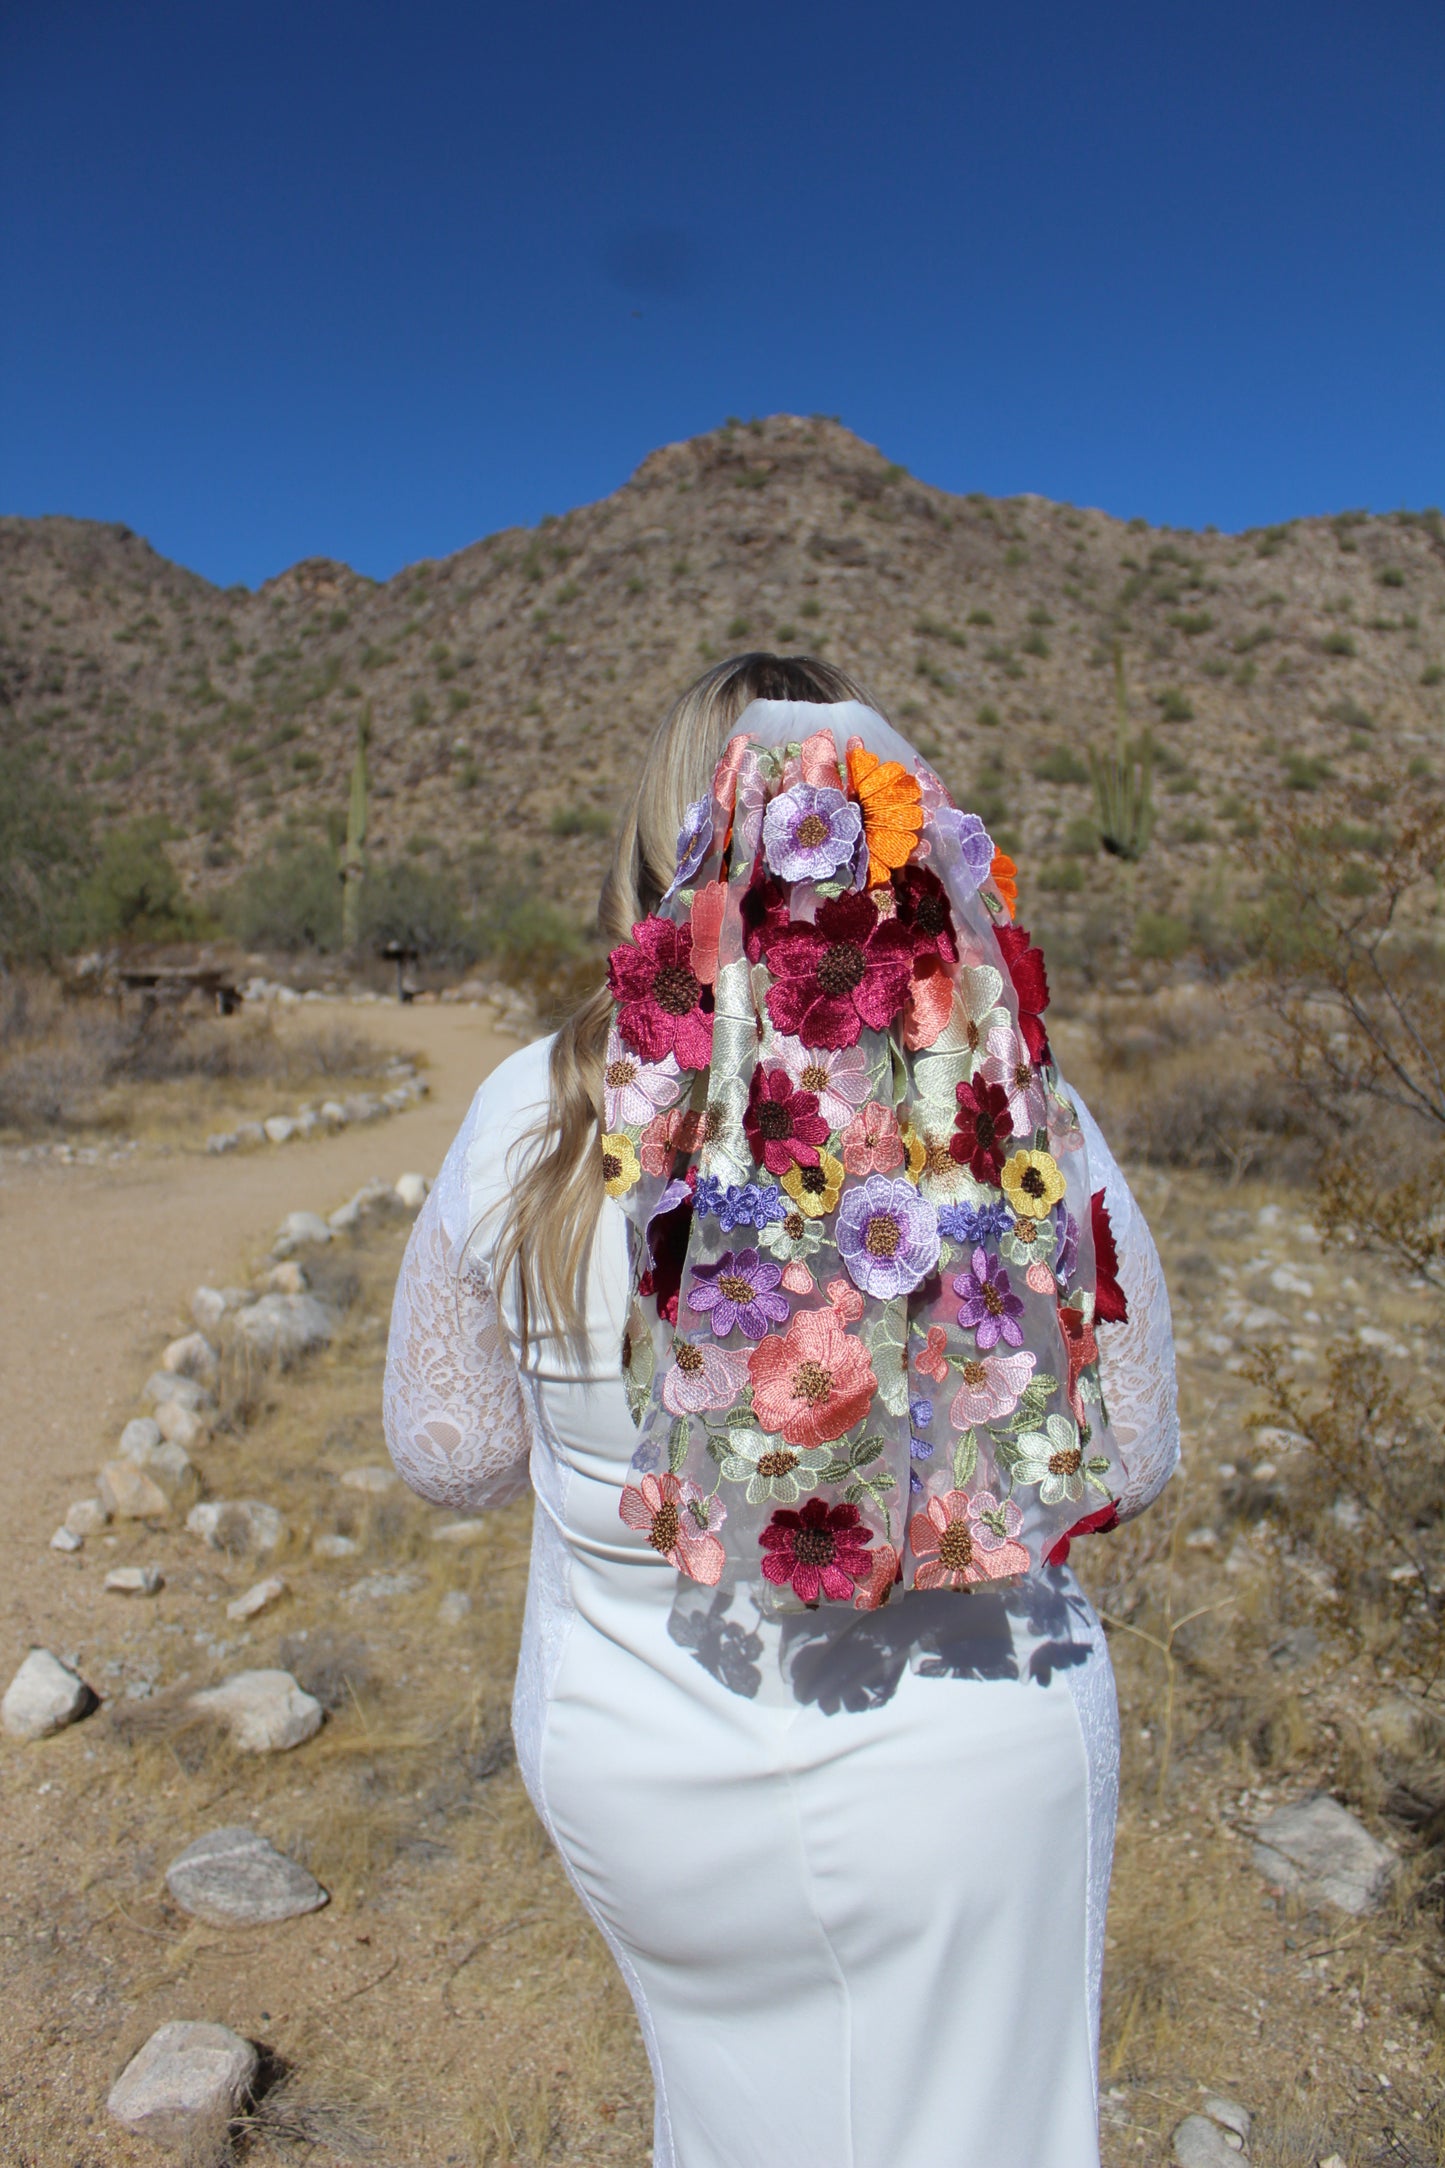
848	969
808	833
736	1293
887	1236
782	1124
659	997
990	1309
819	1550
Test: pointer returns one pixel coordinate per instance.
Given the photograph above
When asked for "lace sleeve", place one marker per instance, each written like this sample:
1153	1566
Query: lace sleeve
456	1422
1136	1359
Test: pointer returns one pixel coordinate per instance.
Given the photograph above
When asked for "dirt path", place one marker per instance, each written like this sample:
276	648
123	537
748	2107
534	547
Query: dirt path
97	1265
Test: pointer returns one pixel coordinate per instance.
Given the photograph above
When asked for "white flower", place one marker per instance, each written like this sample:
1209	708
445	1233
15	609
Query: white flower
633	1089
1007	1062
954	1054
840	1077
1052	1459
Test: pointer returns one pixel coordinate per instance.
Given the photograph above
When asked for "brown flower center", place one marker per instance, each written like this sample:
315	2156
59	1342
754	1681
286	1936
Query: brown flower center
1023	1075
618	1073
937	1159
611	1167
1026	1231
811	830
815	1077
714	1121
814	1546
779	1462
814	1180
675	990
975	1374
1066	1463
842	967
1032	1182
812	1383
689	1360
883	1236
955	1548
974	1036
774	1122
992	1299
931	915
736	1288
664	1530
795	1226
627	1351
985	1131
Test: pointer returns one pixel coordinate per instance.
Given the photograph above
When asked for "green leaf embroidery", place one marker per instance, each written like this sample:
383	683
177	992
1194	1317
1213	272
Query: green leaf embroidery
965	1458
677	1439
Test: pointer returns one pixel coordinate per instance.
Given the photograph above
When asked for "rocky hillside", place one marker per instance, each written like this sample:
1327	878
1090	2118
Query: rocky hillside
512	685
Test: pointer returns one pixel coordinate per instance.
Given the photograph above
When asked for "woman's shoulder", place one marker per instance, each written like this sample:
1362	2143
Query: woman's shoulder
519	1087
505	1121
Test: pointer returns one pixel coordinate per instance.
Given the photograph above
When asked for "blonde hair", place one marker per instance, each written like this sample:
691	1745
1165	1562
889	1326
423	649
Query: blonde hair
546	1236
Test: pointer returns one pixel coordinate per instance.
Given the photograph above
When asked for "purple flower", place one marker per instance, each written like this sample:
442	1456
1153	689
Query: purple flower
809	832
920	1415
694	840
990	1310
1068	1255
745	1204
964	846
737	1293
887	1236
974	1223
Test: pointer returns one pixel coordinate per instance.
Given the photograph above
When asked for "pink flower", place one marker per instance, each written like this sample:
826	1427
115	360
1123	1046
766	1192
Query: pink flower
674	1515
931	1360
633	1089
994	1527
1008	1063
821	1550
871	1142
845	1301
677	1130
812	1382
837	1076
709	906
883	1577
658	995
992	1387
703	1376
951	1552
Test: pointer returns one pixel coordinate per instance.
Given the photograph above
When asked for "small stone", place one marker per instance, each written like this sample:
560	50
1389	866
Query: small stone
140	1437
460	1532
167	1464
279	1128
454	1607
1199	2143
1230	2114
129	1493
192	1356
209	1305
234	1878
135	1580
257	1599
86	1517
65	1539
298	1228
373	1479
250	1133
182	1426
332	1546
331	1110
381	1587
1318	1848
163	1385
237	1524
266	1712
1297	1649
344	1218
287	1279
1401	1725
43	1697
222	1140
185	2083
285	1326
412	1189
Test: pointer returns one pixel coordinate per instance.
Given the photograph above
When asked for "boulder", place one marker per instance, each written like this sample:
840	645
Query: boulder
1318	1848
182	1426
192	1356
1230	2114
209	1305
265	1711
237	1524
234	1878
163	1385
412	1189
86	1517
65	1539
135	1581
282	1327
43	1697
184	2085
298	1228
279	1128
374	1480
129	1493
257	1599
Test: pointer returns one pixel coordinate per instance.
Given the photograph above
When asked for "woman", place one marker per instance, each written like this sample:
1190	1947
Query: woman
818	1315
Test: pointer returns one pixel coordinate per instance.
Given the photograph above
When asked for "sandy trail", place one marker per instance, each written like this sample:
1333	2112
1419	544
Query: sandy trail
97	1265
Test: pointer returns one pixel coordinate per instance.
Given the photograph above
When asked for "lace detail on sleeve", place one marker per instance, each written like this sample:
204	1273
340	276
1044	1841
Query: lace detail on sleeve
456	1422
1136	1359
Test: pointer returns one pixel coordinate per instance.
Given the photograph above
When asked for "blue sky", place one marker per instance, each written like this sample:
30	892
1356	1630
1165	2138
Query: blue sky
288	278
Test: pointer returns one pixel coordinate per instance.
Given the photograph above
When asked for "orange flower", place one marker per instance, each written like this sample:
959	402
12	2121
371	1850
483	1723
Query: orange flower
892	807
1005	879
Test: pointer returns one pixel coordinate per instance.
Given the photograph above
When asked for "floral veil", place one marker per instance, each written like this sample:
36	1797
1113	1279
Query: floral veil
868	1254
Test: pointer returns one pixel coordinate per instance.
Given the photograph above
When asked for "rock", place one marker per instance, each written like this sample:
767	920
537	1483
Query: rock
279	1128
257	1599
185	2084
209	1305
362	1107
140	1437
237	1524
412	1189
129	1493
1200	2143
331	1110
460	1532
222	1140
182	1426
234	1878
1230	2114
287	1279
335	1546
135	1581
454	1607
344	1218
1319	1849
43	1697
297	1228
381	1587
1398	1726
1297	1650
163	1385
86	1517
192	1356
282	1327
167	1464
250	1133
373	1479
265	1711
65	1539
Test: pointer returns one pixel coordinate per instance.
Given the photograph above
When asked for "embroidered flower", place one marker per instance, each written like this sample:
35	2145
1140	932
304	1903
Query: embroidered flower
974	1223
963	845
1005	880
846	1303
884	1575
892	806
1032	1183
667	1134
794	1238
816	1190
923	909
774	1472
871	1142
931	1361
809	833
944	1539
950	1059
920	1415
1027	1241
703	1376
887	1236
992	1387
633	1089
990	1309
659	1000
639	1362
1110	1308
1008	1063
848	969
1068	1244
1030	984
994	1527
1052	1458
982	1128
942	1178
929	1007
675	1515
821	1550
1082	1349
694	841
621	1170
740	1204
813	1382
709	907
839	1077
783	1124
737	1294
1091	1524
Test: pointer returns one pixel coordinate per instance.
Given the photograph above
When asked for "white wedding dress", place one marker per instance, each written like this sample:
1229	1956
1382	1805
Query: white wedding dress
854	1867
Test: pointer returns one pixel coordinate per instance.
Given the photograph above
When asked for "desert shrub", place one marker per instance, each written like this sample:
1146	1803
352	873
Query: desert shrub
1060	764
1173	705
1160	937
410	904
580	820
290	901
45	847
134	892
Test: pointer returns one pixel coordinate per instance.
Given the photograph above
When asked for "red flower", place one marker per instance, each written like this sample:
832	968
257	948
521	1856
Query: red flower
1092	1524
981	1130
848	969
820	1550
667	1239
783	1124
1081	1348
923	910
1031	986
659	998
1110	1306
764	914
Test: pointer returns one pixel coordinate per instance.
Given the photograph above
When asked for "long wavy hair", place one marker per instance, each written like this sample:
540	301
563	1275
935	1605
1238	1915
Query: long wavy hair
546	1236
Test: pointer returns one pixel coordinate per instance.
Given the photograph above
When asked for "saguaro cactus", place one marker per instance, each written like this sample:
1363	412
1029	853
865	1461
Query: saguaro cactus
1124	782
353	862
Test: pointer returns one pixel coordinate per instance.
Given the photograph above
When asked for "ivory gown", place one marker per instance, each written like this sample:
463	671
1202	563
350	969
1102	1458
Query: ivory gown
853	1867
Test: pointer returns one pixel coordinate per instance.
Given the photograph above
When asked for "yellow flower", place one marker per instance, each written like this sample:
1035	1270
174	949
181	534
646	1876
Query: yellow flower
620	1168
816	1190
917	1152
1032	1183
